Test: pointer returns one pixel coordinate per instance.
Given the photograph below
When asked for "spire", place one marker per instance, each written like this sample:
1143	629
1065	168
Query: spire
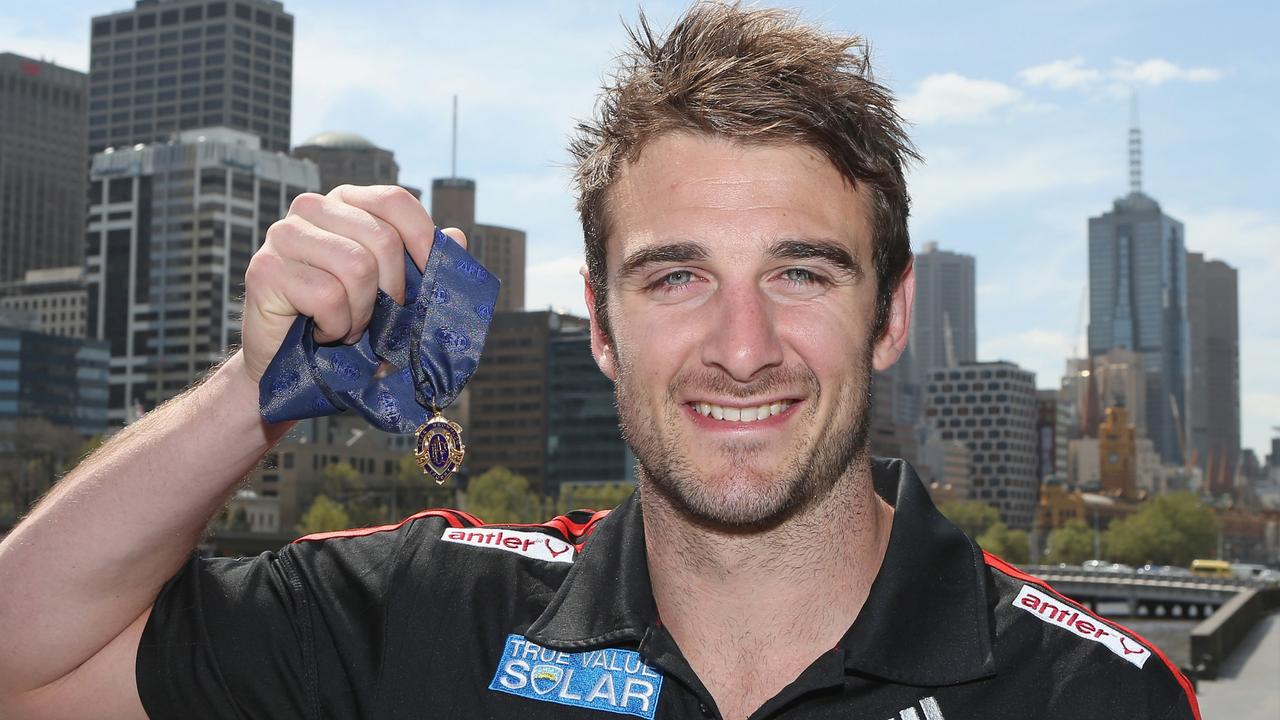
453	162
1135	145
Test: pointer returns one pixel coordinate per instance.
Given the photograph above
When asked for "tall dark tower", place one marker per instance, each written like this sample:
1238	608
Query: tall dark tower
1213	416
1138	301
42	162
170	65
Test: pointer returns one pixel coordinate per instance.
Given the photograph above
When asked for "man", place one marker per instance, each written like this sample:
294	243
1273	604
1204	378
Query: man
744	209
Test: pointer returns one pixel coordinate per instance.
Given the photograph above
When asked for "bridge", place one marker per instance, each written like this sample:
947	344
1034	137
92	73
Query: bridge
1146	595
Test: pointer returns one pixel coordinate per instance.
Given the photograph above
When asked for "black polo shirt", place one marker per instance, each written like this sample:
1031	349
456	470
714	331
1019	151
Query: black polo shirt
442	617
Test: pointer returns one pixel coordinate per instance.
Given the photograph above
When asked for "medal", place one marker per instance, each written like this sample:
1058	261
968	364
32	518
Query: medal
412	361
439	449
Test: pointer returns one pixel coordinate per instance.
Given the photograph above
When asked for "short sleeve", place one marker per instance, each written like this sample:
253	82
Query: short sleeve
229	638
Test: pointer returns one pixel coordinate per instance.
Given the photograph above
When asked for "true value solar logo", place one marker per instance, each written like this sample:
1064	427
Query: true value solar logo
610	679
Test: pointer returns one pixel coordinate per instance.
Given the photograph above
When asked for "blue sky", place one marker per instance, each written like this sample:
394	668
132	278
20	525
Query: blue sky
1021	111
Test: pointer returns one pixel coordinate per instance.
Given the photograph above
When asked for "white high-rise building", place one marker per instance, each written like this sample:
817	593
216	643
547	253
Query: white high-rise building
171	229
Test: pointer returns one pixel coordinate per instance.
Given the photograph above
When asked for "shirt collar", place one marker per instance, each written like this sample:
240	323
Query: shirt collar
925	621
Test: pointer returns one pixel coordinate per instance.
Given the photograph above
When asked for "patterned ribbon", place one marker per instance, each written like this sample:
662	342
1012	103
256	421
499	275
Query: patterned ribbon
432	346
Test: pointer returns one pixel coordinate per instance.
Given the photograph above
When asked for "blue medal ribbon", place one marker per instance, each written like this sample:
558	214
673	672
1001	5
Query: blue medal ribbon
432	346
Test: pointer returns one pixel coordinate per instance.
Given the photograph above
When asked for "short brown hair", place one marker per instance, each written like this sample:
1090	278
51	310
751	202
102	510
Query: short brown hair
754	76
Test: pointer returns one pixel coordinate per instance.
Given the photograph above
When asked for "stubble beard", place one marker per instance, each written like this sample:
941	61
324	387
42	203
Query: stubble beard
740	495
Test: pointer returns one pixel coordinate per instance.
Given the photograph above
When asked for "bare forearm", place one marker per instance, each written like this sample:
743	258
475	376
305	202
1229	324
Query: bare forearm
93	554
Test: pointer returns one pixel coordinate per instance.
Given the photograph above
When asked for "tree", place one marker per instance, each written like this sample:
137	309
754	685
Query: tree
1072	543
238	521
37	454
592	496
501	496
414	490
324	515
972	516
1168	530
339	479
1011	545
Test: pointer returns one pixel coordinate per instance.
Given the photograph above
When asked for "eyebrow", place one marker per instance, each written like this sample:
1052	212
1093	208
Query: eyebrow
670	253
828	250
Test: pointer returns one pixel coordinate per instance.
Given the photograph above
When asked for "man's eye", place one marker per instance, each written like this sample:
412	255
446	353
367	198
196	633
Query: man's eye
679	277
800	276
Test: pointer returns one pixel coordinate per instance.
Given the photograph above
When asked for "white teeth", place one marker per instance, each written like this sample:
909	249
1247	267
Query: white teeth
745	415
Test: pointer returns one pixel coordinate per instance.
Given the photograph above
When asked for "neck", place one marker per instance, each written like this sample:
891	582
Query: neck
788	592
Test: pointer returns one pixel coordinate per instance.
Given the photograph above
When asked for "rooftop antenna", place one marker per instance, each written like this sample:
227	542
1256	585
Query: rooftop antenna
453	163
1135	145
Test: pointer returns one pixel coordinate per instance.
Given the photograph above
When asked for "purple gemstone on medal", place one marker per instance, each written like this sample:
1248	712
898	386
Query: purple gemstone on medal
438	450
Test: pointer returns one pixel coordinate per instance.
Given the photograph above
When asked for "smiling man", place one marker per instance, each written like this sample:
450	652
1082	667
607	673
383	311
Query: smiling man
745	215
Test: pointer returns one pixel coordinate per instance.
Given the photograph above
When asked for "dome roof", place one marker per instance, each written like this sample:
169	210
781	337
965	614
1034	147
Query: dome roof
339	141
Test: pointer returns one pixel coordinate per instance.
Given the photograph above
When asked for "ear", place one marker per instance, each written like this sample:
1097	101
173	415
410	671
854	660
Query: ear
893	340
601	344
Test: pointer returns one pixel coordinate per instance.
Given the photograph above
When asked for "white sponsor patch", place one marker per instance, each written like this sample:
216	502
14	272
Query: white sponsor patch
529	544
1062	614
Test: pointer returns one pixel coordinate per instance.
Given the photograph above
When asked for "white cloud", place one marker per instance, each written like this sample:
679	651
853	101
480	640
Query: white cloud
951	97
968	176
1123	75
1061	74
1158	71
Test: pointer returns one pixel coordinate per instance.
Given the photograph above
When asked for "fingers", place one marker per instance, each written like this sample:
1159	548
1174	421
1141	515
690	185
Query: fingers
378	236
397	207
349	266
457	235
324	298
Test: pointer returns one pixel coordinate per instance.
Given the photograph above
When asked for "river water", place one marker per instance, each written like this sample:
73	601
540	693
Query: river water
1172	636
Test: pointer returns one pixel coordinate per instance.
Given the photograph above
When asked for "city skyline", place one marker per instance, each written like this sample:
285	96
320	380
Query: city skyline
1023	142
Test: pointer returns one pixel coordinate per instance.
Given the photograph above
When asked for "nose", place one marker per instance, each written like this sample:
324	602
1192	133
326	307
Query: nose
743	339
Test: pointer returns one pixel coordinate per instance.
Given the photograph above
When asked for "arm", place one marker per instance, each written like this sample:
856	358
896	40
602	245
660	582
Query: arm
79	575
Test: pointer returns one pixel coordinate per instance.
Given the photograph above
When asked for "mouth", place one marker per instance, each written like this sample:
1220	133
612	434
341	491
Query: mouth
742	414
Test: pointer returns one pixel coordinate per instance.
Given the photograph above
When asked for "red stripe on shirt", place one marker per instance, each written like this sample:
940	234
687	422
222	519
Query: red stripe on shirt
1012	571
449	516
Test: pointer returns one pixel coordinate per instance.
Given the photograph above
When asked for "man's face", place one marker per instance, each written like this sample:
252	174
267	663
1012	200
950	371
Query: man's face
741	304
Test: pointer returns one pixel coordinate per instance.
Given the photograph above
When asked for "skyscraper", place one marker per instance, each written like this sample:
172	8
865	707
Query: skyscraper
944	323
171	230
1138	301
169	65
510	406
990	407
1213	414
348	158
584	443
42	161
500	249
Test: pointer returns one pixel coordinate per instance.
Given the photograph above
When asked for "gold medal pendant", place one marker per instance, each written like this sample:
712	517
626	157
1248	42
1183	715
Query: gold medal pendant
439	450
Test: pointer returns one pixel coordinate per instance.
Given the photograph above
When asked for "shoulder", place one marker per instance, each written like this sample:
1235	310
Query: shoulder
1085	661
440	541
